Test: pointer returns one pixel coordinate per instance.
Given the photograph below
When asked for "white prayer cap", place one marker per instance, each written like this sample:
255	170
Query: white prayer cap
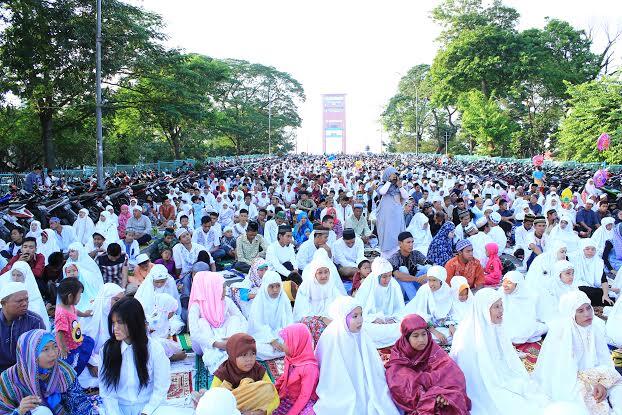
10	288
180	232
495	218
481	222
217	401
142	258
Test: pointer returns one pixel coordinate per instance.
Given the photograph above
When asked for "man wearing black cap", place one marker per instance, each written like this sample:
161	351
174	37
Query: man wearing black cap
347	253
408	266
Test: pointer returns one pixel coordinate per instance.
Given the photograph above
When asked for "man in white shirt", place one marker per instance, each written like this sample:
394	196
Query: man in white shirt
240	227
185	254
250	207
521	233
207	236
344	209
281	256
479	240
289	196
496	232
271	229
347	252
317	239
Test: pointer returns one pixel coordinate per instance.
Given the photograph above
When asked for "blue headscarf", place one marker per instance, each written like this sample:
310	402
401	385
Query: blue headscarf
299	232
441	248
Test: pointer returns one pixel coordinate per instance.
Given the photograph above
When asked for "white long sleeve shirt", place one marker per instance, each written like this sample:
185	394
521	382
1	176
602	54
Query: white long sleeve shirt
271	231
128	391
305	253
277	255
346	256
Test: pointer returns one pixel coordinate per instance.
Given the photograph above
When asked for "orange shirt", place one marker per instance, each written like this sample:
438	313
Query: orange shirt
472	271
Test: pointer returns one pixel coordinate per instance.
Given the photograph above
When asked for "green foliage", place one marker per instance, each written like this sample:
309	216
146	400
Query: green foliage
246	98
47	53
485	123
158	104
508	86
596	109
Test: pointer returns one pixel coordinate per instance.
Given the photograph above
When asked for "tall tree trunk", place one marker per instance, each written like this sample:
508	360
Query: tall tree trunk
45	118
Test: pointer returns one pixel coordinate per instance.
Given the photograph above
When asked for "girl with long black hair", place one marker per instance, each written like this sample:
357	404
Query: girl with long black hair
135	373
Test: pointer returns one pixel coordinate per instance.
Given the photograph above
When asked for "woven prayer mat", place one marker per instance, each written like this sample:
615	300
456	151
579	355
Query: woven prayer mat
185	341
182	376
384	353
531	351
274	368
202	377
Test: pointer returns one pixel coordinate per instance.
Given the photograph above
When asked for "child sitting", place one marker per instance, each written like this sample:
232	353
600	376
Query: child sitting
493	269
296	386
245	377
364	269
163	323
166	259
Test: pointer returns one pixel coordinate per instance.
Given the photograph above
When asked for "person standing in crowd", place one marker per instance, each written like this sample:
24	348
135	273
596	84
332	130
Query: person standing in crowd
390	218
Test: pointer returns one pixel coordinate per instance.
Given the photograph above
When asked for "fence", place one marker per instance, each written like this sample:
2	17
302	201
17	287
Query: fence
7	179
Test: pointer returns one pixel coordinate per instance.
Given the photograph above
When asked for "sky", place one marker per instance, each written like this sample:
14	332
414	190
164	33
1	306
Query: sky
360	48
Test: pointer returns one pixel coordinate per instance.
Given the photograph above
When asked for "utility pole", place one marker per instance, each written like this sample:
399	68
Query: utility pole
446	135
98	97
416	119
269	120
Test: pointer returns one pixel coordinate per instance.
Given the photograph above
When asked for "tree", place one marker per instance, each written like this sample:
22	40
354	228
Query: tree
595	108
244	101
47	55
488	127
407	115
175	93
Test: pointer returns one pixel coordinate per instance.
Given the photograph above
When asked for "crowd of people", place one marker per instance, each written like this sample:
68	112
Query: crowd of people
387	284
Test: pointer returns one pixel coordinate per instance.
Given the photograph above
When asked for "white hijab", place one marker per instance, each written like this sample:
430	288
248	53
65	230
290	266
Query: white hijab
497	381
96	327
379	301
36	233
566	235
91	282
569	348
352	380
267	315
113	216
422	237
87	263
146	293
542	266
106	227
322	256
614	324
84	227
460	309
432	305
49	247
314	298
588	271
602	235
35	301
519	309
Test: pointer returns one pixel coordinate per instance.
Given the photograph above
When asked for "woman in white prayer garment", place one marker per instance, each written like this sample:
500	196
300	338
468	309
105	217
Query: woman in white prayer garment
575	364
497	381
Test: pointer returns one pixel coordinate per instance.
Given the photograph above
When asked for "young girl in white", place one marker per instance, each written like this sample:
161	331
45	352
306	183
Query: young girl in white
135	373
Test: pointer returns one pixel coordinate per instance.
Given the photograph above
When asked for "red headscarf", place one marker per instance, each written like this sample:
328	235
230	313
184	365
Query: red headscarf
417	378
299	341
238	345
332	212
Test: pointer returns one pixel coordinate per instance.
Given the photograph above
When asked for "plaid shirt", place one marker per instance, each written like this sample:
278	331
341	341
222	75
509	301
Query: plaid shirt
112	270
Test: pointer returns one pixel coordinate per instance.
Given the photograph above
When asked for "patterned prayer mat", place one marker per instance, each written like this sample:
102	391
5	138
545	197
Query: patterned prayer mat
274	368
384	353
202	377
184	340
531	351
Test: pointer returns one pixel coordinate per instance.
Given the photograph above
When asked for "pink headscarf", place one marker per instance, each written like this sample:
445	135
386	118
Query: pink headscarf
299	341
124	216
207	294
